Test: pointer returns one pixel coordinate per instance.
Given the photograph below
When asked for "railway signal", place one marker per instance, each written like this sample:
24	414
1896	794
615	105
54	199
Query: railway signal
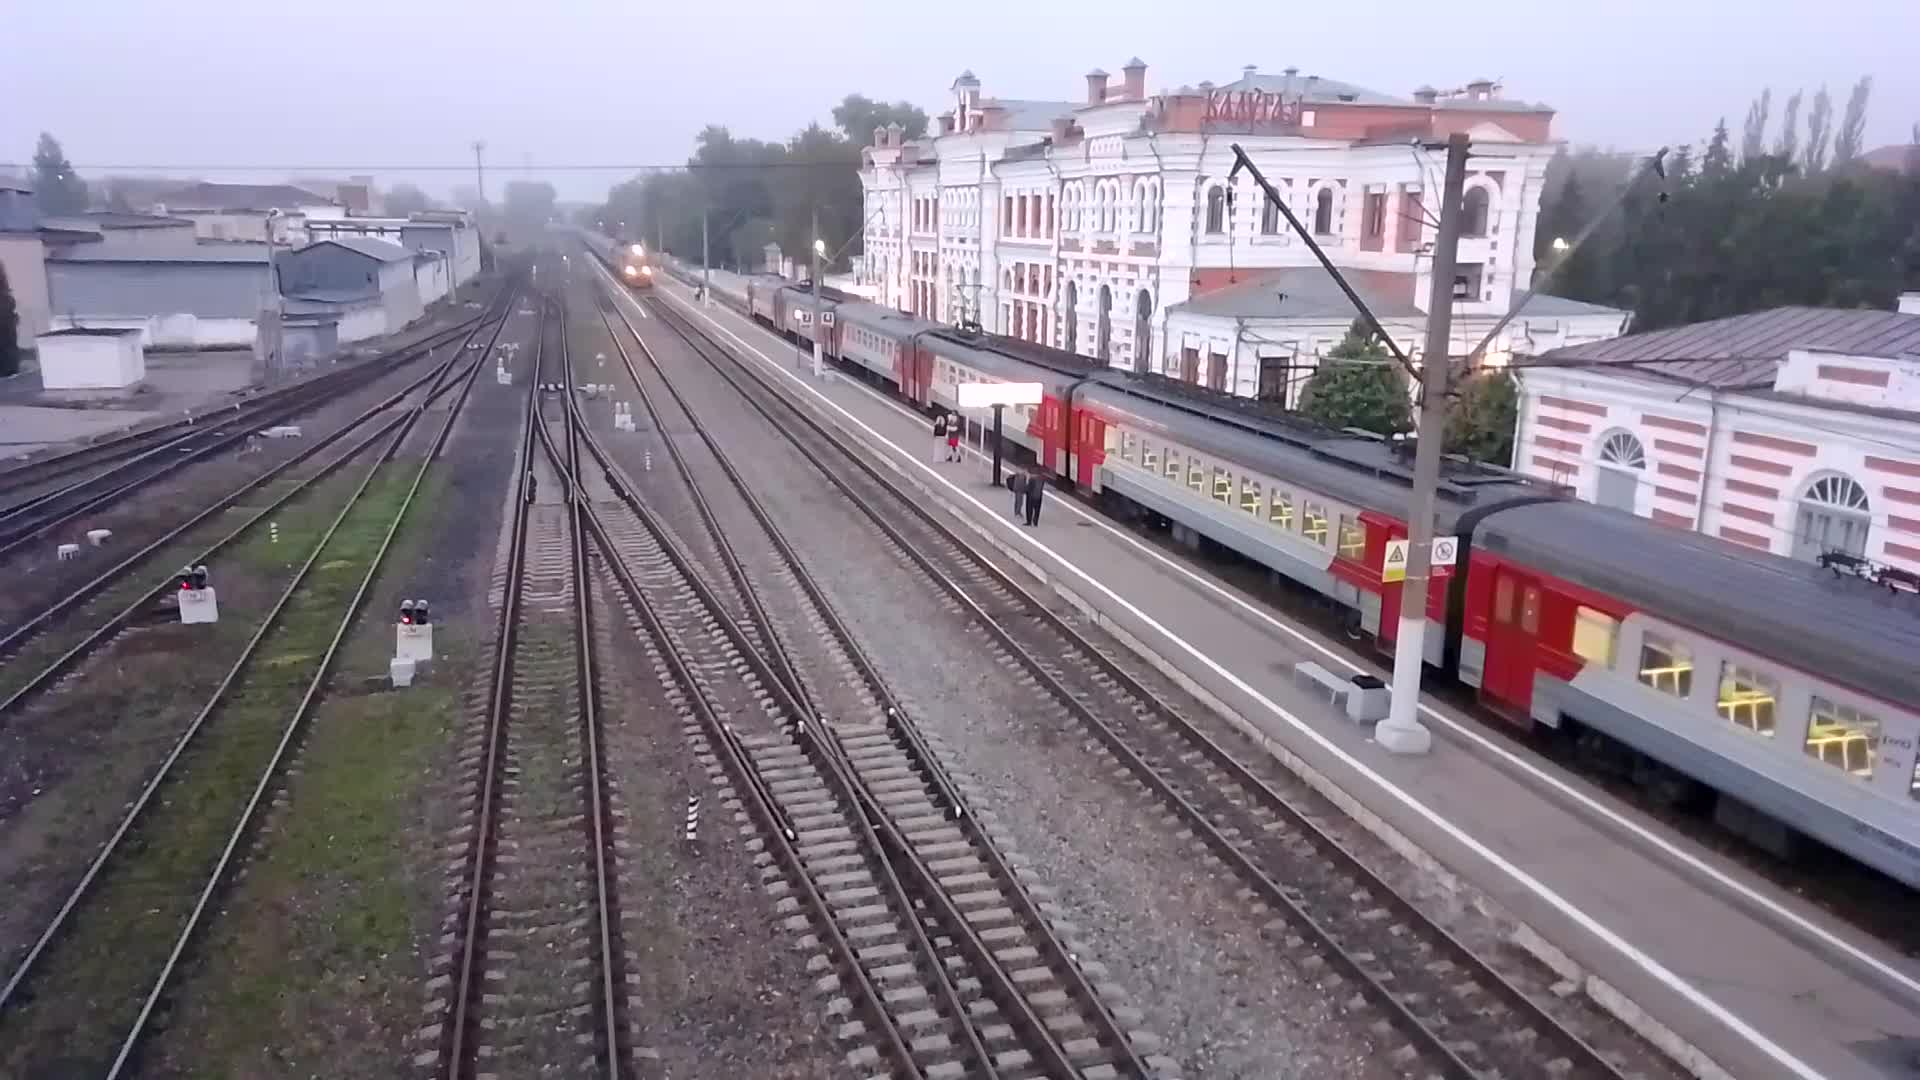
413	633
198	601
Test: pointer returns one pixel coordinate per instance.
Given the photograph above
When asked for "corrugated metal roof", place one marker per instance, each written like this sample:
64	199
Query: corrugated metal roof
383	250
1028	115
211	196
1307	292
185	253
1744	351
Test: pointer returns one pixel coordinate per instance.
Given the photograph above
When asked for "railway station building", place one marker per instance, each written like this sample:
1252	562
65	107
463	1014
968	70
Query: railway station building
1111	225
1794	431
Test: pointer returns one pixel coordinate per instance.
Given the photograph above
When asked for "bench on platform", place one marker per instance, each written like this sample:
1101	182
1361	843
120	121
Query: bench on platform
1321	681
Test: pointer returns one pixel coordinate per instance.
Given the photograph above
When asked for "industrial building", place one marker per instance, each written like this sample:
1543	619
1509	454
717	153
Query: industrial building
182	296
369	286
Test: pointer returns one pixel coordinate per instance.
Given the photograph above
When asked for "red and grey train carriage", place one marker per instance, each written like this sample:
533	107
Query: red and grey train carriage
1790	694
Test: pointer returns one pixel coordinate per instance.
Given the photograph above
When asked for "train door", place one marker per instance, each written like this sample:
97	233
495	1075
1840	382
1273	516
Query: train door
1513	638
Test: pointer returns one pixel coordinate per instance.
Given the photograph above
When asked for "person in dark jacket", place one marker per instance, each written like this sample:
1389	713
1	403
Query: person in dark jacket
1036	488
939	435
1017	482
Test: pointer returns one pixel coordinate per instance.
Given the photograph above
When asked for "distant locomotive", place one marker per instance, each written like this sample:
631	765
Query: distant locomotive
636	267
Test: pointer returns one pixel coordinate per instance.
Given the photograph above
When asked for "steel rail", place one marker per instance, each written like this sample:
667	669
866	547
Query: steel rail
296	725
19	635
1428	1040
896	718
399	426
30	470
499	700
598	813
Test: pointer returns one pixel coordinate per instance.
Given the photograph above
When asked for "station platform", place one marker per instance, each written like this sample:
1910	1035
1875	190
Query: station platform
1731	976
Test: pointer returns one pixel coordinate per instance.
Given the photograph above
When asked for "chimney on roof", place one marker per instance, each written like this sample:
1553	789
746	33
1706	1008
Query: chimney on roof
1480	90
1248	71
1062	127
1134	77
1096	86
1291	72
894	132
1426	95
1910	303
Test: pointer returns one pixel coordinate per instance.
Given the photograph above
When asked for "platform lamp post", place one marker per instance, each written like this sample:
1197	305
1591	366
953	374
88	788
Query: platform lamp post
820	256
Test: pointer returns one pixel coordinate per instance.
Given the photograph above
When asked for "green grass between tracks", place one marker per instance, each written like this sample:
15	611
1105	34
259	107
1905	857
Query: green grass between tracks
91	981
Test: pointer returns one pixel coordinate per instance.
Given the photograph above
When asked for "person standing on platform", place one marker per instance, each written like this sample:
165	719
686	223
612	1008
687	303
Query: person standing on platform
1036	487
953	439
1018	482
940	436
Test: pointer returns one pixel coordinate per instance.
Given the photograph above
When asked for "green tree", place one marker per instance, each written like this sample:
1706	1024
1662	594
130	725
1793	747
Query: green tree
404	199
1853	124
9	329
1819	132
528	203
859	117
1358	384
1481	417
1718	160
57	188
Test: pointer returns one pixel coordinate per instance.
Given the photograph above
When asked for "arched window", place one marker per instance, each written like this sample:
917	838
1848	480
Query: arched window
1618	483
1834	516
1070	318
1473	217
1216	211
1323	213
1104	326
1269	216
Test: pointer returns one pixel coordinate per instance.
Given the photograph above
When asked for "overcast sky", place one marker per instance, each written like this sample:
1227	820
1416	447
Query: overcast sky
355	86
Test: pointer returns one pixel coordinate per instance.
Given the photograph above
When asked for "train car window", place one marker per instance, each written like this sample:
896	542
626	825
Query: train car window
1196	474
1173	466
1503	601
1530	610
1842	736
1149	458
1280	512
1913	789
1666	665
1595	635
1353	538
1747	698
1250	496
1126	446
1313	523
1222	485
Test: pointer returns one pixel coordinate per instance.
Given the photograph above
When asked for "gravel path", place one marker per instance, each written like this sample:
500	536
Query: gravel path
1144	901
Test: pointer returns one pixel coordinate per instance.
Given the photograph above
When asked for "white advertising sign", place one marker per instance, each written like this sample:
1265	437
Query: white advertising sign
981	395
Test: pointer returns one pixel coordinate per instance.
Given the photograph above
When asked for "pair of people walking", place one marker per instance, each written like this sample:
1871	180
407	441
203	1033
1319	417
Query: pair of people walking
946	437
1029	491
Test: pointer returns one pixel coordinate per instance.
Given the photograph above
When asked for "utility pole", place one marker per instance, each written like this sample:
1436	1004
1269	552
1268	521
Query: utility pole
479	171
706	264
1401	732
819	248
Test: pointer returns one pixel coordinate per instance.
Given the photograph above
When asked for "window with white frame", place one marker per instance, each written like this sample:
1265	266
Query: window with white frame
1216	223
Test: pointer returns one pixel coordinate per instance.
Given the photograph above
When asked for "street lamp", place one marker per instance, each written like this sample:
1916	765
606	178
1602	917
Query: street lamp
1560	243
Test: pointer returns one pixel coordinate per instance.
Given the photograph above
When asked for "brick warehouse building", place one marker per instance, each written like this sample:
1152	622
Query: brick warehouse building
1104	225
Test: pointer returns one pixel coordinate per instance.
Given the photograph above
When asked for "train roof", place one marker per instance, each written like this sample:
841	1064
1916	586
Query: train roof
1842	628
1368	472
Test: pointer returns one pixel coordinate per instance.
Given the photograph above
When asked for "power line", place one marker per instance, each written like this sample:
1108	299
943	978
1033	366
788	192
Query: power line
452	167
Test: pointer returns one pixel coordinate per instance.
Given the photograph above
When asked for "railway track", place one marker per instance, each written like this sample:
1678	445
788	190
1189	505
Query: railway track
1442	1008
944	959
92	986
536	987
39	638
147	457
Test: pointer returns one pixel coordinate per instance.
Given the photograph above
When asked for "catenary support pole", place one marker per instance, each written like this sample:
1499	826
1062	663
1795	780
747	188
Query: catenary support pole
997	410
706	263
819	345
1401	732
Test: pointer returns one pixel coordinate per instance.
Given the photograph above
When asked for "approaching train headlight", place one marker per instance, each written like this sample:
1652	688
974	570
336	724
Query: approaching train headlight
629	271
647	270
637	249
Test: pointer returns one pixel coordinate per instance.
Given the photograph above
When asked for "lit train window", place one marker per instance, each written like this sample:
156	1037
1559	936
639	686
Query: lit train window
1149	458
1353	538
1747	698
1280	512
1250	496
1222	486
1126	446
1842	736
1313	523
1196	474
1595	634
1913	789
1666	665
1173	466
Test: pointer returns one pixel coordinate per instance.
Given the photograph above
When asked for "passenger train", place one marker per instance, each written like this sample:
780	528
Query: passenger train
1786	691
630	261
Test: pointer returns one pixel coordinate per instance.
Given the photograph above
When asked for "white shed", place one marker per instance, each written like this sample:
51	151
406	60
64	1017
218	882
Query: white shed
91	359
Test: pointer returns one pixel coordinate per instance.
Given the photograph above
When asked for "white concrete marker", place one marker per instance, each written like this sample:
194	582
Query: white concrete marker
99	537
199	605
400	671
67	552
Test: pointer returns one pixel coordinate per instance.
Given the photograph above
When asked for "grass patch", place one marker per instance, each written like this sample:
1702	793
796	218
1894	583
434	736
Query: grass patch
92	980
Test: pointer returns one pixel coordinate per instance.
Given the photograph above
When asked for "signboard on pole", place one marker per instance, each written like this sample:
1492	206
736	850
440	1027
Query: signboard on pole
1446	552
977	395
